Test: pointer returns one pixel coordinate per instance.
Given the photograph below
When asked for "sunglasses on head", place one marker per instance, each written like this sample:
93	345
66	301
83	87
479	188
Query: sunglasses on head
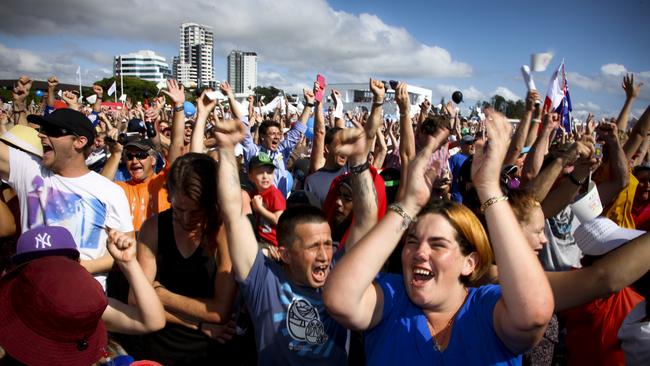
54	131
140	155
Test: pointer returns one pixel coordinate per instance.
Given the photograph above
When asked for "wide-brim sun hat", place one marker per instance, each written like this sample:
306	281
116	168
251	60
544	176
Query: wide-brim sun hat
24	138
50	313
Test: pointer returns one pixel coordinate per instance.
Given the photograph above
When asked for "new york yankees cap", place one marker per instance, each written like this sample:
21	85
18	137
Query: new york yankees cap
45	241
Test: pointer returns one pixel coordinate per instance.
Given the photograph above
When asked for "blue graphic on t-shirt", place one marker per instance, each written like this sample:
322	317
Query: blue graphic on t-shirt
84	217
303	323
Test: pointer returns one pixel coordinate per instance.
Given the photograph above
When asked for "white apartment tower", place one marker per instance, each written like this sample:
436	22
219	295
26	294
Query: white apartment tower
242	71
144	64
194	63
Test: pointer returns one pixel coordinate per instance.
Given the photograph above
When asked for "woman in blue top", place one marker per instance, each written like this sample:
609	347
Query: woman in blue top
430	315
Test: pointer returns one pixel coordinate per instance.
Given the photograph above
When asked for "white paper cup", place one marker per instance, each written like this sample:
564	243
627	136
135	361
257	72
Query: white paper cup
587	206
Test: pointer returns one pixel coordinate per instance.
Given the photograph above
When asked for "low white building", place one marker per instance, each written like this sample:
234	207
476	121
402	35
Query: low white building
357	95
144	64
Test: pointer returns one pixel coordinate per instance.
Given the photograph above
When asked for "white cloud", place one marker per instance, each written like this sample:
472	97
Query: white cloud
470	93
446	90
15	62
582	110
506	93
593	107
583	82
609	80
305	37
613	70
580	114
279	80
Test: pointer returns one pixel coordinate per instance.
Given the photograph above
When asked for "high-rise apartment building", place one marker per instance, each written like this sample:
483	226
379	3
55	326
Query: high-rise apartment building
242	71
194	62
144	64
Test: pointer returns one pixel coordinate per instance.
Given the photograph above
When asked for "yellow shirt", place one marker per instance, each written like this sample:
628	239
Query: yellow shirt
620	211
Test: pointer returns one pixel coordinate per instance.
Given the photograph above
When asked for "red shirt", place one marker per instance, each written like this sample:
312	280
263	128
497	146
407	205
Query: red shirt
592	329
329	206
273	201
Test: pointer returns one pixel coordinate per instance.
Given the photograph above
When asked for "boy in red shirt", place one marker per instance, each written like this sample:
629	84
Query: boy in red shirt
267	201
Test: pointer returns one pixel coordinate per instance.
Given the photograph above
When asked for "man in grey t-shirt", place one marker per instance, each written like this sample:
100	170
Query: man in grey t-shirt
319	181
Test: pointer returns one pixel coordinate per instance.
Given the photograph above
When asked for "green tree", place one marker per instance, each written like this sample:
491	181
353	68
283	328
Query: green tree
511	108
135	88
269	92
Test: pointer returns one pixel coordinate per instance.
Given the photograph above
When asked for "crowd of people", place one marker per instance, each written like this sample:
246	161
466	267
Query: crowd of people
225	233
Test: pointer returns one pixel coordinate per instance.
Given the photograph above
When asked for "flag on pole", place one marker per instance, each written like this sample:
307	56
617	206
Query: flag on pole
122	98
111	90
79	77
557	97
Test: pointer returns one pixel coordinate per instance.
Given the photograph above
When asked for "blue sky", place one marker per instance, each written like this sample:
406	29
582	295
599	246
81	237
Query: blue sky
476	46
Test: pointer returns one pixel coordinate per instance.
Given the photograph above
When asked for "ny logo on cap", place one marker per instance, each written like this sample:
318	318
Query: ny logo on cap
43	240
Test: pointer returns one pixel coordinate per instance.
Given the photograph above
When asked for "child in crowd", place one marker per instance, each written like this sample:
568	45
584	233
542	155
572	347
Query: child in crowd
267	201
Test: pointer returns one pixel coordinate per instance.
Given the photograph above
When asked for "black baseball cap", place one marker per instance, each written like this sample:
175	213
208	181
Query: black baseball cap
467	140
144	145
136	125
69	119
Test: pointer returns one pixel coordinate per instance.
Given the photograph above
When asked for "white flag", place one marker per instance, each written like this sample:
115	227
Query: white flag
78	70
91	99
161	85
111	90
540	61
122	98
60	93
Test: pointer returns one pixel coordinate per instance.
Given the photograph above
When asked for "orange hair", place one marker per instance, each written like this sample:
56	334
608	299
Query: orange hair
471	235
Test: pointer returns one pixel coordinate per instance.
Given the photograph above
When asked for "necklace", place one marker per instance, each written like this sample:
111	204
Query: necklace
441	338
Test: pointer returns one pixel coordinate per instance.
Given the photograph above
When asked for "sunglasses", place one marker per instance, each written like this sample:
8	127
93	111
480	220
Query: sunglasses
54	131
140	155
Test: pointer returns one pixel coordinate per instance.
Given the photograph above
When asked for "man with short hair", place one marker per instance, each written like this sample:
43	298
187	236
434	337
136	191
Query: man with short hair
61	190
319	181
285	302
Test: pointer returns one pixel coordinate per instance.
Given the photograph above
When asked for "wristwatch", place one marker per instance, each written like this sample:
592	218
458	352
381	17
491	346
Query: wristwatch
358	169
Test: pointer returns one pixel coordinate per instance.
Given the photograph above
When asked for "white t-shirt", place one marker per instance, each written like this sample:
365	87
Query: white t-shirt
84	205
